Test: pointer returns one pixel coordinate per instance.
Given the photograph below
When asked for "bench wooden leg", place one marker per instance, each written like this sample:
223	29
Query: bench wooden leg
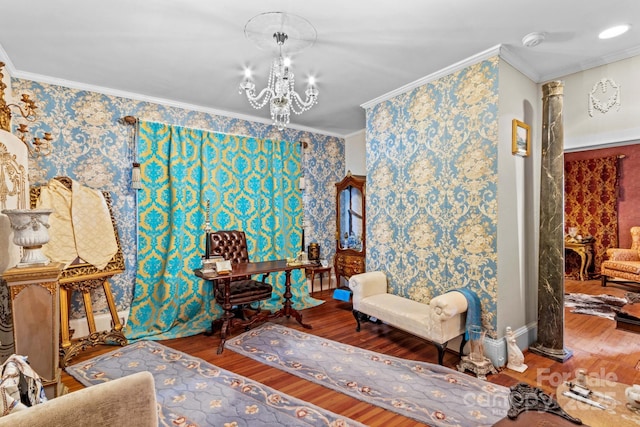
604	280
441	348
357	315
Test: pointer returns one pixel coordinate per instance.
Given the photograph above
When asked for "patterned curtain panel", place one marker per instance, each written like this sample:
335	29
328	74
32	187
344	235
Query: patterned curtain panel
591	205
250	185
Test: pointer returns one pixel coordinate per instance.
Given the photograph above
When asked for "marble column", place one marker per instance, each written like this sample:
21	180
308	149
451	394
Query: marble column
550	342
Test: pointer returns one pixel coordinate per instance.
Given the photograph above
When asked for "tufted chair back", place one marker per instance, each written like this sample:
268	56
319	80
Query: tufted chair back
229	244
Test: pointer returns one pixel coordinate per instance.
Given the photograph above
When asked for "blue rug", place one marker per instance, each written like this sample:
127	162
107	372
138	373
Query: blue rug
429	393
193	392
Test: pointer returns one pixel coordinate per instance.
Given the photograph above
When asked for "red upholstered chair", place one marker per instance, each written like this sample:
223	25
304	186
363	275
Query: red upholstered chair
623	265
232	246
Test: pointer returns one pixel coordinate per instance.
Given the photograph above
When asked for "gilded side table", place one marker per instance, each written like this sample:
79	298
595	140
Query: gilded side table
585	251
35	306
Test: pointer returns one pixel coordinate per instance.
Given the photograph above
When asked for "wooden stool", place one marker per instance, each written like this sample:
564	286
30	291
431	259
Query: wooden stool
313	270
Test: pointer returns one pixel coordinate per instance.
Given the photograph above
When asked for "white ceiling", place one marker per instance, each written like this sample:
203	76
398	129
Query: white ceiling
192	52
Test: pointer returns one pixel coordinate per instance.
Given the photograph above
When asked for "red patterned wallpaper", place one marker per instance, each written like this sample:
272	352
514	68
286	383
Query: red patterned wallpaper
629	196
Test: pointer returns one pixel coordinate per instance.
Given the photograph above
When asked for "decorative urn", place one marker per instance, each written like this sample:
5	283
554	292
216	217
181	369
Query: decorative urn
31	231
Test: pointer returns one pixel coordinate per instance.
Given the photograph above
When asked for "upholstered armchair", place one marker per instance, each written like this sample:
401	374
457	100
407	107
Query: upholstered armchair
623	264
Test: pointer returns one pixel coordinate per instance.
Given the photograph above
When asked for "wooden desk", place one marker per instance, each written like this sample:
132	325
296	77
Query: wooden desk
585	251
250	269
617	414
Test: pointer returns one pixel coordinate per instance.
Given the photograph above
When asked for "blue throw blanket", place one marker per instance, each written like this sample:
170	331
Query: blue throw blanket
474	310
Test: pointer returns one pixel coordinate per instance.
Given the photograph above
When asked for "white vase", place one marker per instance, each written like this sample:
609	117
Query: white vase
31	231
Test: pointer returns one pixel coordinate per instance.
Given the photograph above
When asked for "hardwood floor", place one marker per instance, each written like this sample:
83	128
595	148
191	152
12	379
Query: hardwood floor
603	351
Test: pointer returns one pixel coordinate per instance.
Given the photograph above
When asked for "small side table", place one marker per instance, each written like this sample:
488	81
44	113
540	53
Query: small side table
320	270
585	251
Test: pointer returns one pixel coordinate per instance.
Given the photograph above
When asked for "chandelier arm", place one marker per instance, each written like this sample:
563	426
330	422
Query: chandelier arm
260	99
303	105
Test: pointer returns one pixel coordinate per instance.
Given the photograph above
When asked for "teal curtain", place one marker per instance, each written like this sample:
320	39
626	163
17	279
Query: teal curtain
250	185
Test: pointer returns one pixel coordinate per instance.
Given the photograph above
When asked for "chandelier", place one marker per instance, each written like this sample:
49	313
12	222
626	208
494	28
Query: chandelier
280	91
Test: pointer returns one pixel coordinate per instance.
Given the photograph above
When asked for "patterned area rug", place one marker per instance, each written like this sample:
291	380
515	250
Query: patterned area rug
429	393
596	305
193	392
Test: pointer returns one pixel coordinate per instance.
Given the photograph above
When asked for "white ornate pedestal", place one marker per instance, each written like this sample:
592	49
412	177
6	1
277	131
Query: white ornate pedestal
36	320
481	367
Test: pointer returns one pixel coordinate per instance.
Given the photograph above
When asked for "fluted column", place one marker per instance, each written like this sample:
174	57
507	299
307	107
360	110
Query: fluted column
550	342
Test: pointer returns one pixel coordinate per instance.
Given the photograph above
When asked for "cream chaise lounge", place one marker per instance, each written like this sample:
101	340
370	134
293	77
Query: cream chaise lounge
443	319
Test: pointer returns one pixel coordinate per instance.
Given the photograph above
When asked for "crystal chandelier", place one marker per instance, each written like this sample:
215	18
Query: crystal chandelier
280	91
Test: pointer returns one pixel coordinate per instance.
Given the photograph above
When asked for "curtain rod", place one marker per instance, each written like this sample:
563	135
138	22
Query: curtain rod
131	120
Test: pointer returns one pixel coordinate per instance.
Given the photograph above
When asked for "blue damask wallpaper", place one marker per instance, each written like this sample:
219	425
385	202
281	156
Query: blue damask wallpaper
93	146
432	187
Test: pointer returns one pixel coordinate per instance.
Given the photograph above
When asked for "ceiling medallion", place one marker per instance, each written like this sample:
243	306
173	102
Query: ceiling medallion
613	100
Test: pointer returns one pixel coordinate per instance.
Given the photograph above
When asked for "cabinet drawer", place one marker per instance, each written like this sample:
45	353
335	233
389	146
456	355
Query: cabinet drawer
349	265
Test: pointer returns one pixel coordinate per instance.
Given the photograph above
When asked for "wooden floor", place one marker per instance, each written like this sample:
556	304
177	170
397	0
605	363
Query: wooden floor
603	351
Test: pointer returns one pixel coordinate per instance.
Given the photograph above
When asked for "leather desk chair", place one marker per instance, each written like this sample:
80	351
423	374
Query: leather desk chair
232	246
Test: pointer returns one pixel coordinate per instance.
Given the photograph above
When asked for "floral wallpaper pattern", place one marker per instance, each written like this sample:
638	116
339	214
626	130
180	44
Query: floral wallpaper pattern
432	187
93	146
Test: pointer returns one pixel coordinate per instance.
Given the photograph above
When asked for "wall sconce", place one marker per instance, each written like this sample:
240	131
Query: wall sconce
39	146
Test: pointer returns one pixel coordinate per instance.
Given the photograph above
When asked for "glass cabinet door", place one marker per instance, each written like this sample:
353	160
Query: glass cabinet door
350	227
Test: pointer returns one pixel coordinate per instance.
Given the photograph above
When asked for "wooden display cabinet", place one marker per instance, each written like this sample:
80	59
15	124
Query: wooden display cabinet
350	227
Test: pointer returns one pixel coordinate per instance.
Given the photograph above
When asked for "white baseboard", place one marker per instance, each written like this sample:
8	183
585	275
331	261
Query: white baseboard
313	287
103	321
496	350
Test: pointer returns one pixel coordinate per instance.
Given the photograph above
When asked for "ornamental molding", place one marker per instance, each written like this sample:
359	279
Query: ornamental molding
612	101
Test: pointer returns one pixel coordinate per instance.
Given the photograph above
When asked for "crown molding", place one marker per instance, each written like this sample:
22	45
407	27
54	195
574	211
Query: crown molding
604	60
156	100
4	57
493	51
516	62
352	134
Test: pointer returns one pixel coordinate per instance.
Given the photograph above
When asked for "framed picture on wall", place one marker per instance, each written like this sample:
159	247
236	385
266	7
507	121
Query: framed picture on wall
520	138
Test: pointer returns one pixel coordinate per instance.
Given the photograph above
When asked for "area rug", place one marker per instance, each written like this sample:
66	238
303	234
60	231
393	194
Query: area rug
429	393
193	392
596	305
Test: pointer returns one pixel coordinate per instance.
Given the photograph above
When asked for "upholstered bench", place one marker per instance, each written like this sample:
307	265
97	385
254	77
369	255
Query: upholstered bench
443	319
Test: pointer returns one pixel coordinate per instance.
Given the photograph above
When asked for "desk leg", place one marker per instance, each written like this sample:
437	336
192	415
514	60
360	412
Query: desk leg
287	309
227	317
